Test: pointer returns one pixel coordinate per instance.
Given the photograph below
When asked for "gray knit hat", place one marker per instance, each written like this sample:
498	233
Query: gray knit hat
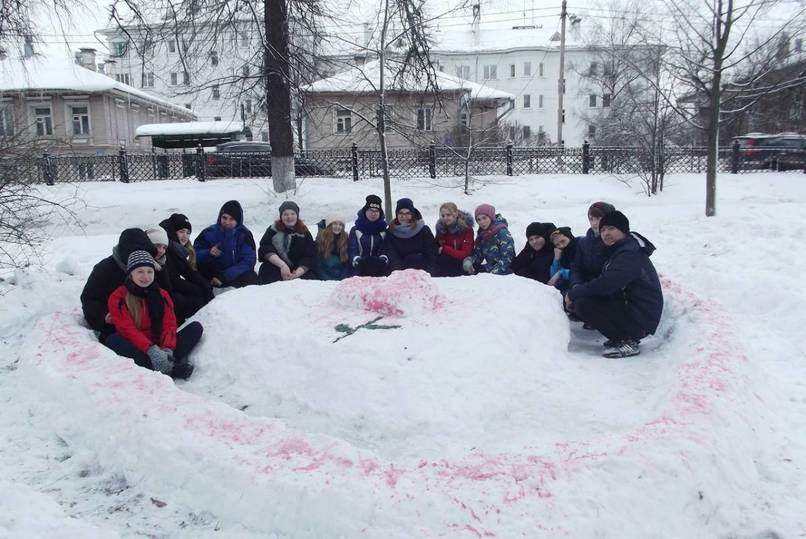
289	205
138	259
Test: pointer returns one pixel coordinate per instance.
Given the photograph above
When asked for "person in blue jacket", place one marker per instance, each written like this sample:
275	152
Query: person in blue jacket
225	251
625	302
366	240
590	251
535	259
564	244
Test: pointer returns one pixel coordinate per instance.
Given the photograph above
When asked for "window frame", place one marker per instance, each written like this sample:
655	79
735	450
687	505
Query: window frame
527	69
47	125
7	127
343	122
592	100
490	72
427	118
527	101
85	121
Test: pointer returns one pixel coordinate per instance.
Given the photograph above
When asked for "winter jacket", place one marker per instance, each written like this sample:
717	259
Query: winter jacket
557	267
366	238
237	249
107	275
456	242
295	247
182	277
330	267
629	274
141	337
418	251
495	254
535	265
589	258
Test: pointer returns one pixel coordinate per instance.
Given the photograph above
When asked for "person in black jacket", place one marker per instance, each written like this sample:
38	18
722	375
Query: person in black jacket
106	276
189	290
287	250
590	251
535	259
625	302
410	244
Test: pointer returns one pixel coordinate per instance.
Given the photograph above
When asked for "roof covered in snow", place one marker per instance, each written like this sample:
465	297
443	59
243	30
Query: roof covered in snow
365	79
42	73
189	128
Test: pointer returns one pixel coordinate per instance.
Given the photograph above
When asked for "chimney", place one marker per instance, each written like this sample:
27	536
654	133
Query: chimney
85	57
576	27
28	50
476	23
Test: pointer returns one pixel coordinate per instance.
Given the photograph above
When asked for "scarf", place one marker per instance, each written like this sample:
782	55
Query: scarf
408	231
154	303
491	231
370	227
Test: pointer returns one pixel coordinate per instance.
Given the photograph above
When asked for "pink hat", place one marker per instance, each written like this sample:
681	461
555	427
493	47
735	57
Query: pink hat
486	209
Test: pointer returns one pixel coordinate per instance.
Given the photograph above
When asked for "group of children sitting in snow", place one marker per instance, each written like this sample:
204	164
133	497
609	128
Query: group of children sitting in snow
156	278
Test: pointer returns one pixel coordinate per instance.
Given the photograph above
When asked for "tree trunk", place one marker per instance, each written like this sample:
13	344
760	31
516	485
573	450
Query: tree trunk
278	94
380	122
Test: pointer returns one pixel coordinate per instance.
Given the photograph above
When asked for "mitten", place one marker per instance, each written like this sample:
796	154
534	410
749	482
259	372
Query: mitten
467	265
160	359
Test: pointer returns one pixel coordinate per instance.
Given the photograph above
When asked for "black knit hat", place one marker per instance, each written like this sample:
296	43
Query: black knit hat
543	230
615	219
233	209
134	239
139	259
407	204
180	221
563	231
600	209
373	201
289	205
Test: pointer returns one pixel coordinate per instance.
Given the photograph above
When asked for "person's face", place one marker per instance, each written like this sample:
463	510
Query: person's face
537	242
483	221
337	228
560	241
161	248
143	276
404	217
447	217
594	221
289	218
228	222
611	235
183	235
373	214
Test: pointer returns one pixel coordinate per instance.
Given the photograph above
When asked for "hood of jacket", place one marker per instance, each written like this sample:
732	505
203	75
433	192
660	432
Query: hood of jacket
132	239
632	242
463	218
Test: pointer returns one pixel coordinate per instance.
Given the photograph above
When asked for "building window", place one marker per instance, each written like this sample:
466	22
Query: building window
174	79
248	106
799	45
172	45
606	100
512	71
593	70
244	39
464	118
148	80
540	101
592	100
119	49
424	116
6	121
213	58
188	106
43	121
123	78
591	131
80	120
216	118
245	70
185	78
527	101
264	136
540	69
344	121
216	92
388	113
490	72
527	132
527	69
463	72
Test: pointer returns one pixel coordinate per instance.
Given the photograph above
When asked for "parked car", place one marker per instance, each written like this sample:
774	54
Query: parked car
245	159
781	151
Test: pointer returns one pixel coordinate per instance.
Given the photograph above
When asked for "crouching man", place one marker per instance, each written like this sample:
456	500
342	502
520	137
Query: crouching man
625	302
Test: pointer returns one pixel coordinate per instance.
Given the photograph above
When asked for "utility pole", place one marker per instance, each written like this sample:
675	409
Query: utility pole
561	81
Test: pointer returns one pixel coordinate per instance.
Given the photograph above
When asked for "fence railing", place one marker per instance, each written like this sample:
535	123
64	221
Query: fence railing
431	161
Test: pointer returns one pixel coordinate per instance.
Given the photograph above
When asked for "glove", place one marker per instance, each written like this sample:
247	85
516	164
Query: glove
160	359
170	353
467	266
356	261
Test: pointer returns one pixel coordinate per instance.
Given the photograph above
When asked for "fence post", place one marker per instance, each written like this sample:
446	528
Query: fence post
123	164
734	157
586	156
432	160
354	160
153	163
509	158
47	171
200	168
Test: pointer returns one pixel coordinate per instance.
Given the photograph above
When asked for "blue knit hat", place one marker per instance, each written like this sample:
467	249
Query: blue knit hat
139	259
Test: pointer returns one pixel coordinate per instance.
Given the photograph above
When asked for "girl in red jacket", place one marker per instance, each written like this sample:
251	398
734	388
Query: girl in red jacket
455	239
145	324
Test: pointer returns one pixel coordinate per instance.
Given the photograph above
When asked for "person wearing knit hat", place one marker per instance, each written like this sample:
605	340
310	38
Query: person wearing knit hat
145	325
590	251
564	245
625	302
366	240
226	250
409	243
332	250
287	250
106	276
494	249
534	260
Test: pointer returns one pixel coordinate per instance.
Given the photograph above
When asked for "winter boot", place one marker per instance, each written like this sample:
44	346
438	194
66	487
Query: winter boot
626	348
182	370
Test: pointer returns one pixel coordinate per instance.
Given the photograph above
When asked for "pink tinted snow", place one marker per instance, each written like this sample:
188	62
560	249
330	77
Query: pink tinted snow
265	446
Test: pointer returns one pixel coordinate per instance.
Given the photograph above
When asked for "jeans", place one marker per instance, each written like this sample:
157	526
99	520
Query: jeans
186	339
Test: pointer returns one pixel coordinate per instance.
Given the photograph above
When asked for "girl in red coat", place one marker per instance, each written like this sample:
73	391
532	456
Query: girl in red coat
145	324
455	239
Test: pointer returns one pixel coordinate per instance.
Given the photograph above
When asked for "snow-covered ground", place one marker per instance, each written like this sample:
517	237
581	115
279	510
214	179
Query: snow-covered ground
477	410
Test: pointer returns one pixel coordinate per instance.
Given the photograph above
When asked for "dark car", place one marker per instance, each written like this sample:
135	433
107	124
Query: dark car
253	159
782	151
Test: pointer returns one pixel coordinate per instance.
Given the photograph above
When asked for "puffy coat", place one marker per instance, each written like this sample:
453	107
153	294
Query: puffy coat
418	251
141	337
495	254
366	238
629	274
589	258
533	264
107	275
237	249
456	242
296	247
183	278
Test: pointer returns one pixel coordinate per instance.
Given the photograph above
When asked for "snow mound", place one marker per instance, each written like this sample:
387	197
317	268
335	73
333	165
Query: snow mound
404	293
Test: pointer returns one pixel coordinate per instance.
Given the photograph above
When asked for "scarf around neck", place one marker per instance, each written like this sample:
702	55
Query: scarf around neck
154	303
406	231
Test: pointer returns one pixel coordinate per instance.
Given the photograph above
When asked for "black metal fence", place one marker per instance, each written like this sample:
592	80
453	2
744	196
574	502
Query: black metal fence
432	161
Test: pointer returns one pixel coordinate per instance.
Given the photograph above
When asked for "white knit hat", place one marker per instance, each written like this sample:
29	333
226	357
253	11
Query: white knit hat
157	235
